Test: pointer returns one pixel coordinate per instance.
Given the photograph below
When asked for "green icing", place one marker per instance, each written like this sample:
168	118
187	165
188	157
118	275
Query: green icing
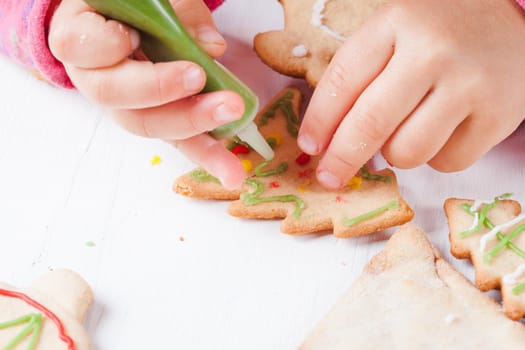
281	168
284	103
365	174
503	243
33	327
254	197
354	221
499	235
203	176
518	289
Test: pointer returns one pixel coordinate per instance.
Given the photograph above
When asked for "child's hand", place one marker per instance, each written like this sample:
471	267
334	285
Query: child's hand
151	100
426	81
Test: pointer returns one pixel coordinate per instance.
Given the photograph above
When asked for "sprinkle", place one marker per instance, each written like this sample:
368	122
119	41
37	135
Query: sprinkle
156	160
355	182
339	199
274	184
301	189
247	165
240	149
305	173
303	159
90	244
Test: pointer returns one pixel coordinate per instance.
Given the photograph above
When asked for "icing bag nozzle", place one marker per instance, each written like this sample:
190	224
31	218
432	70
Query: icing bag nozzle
164	38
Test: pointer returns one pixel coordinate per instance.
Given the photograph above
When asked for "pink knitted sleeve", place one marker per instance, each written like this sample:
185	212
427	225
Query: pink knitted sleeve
522	3
23	37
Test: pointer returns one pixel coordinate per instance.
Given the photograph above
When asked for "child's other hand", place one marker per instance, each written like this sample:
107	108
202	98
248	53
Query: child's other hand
151	100
424	81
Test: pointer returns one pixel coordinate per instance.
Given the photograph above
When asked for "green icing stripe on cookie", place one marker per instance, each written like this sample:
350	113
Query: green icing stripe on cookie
281	168
33	328
354	221
202	175
254	198
284	103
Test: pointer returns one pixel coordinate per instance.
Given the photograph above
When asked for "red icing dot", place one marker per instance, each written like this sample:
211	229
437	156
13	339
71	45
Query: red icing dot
302	159
273	184
240	149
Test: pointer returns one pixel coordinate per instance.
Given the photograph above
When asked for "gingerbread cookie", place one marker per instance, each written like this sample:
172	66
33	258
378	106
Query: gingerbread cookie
408	297
287	188
313	31
47	316
491	234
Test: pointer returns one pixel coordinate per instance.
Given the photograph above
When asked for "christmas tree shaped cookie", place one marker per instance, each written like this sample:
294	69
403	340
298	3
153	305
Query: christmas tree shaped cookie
286	187
313	31
47	316
492	234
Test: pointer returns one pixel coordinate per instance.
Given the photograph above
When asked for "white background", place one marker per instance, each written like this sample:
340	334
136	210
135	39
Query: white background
69	175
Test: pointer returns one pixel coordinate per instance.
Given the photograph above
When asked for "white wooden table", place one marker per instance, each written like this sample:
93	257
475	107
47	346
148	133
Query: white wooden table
169	272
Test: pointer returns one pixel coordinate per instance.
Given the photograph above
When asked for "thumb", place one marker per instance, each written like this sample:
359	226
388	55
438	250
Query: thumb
198	21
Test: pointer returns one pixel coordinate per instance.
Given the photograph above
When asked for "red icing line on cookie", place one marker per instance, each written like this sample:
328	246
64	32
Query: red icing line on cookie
48	313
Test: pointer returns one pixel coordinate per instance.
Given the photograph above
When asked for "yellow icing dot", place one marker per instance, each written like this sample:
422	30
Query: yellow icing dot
304	185
247	165
277	137
355	182
155	160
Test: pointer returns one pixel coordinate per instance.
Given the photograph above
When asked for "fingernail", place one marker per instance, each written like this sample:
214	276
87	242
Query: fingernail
134	36
307	144
224	113
329	180
210	36
192	79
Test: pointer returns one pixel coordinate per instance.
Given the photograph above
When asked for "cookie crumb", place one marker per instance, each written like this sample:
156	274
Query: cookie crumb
450	318
181	238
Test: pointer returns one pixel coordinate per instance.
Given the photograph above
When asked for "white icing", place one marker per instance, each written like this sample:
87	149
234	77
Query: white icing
492	233
299	51
511	277
475	222
477	204
317	20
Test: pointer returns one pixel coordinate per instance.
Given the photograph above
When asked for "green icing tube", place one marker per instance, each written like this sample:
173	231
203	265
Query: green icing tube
164	39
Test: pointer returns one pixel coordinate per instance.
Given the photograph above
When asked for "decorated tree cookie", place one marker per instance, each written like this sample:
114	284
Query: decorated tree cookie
46	316
492	234
287	188
313	31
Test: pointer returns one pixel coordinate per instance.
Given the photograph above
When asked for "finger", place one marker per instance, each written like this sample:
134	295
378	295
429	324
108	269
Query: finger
426	130
198	21
215	158
80	37
139	84
185	118
469	142
385	103
354	66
